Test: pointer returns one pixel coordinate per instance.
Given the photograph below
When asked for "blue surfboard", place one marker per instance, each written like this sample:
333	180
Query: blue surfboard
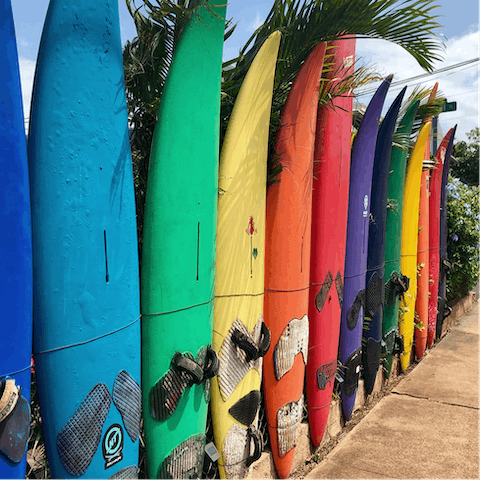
375	279
15	261
85	263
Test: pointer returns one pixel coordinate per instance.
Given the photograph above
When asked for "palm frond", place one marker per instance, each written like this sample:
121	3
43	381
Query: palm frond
306	23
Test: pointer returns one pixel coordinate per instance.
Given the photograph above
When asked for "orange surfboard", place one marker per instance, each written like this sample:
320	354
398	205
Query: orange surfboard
287	263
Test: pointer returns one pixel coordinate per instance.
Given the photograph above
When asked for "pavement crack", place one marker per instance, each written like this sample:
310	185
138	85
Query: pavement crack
436	401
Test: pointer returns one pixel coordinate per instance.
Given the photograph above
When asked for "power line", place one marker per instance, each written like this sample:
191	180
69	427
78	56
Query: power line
424	75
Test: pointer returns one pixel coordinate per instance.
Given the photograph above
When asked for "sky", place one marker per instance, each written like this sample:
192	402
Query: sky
460	20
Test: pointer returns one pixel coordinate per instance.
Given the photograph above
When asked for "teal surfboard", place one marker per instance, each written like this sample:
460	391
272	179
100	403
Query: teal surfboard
86	283
178	257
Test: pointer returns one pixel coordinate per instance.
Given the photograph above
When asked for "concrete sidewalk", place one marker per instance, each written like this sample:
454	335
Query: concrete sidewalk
428	427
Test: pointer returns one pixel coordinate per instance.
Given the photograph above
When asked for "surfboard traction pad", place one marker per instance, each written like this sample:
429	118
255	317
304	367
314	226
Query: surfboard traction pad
236	450
354	310
293	340
185	460
246	409
322	294
15	420
233	360
326	374
165	395
125	473
289	417
78	440
127	397
351	372
375	295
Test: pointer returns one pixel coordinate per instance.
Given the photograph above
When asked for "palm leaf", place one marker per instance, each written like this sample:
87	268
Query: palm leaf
306	23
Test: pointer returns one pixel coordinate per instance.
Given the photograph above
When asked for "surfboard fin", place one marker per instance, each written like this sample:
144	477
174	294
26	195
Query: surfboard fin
294	340
14	421
127	397
78	440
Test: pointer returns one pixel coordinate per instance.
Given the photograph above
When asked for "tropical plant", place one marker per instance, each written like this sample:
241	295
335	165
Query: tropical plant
464	161
463	217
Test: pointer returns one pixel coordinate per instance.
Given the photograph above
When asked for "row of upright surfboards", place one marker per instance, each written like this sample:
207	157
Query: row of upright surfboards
236	279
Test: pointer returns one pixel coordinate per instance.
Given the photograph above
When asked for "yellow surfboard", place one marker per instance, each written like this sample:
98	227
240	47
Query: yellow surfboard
408	263
239	335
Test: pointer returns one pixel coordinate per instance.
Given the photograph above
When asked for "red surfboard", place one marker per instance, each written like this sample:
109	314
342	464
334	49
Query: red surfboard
287	263
434	236
329	230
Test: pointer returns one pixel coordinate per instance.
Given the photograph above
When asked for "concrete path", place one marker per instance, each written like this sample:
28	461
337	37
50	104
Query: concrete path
428	427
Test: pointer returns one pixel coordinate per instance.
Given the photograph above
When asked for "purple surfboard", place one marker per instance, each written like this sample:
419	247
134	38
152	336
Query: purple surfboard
363	153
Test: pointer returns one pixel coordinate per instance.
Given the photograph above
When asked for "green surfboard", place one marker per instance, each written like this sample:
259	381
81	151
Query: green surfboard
395	284
178	262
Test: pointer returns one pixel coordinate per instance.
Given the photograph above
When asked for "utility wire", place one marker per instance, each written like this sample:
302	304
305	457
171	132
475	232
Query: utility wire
424	75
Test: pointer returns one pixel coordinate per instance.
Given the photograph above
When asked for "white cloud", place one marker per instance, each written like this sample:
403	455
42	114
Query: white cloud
459	85
27	73
255	23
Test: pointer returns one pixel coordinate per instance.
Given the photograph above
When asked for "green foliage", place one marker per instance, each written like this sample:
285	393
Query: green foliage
463	217
465	158
306	23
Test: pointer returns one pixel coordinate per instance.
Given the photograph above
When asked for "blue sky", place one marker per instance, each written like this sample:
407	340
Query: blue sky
460	27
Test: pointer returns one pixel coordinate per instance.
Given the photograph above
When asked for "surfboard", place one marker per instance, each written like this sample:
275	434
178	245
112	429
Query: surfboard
375	278
434	235
361	169
178	256
329	232
287	262
240	337
15	262
421	303
85	260
443	310
396	284
408	262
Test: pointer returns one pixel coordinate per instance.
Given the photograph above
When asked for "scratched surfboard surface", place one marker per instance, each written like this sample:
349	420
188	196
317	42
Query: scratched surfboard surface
86	288
178	257
15	259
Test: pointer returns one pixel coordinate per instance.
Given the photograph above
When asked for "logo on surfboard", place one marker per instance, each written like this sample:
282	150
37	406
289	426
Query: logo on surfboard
112	445
365	206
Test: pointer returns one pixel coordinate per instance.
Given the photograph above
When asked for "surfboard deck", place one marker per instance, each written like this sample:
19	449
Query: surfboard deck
408	262
395	284
86	294
329	231
239	283
287	262
375	277
178	257
15	261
